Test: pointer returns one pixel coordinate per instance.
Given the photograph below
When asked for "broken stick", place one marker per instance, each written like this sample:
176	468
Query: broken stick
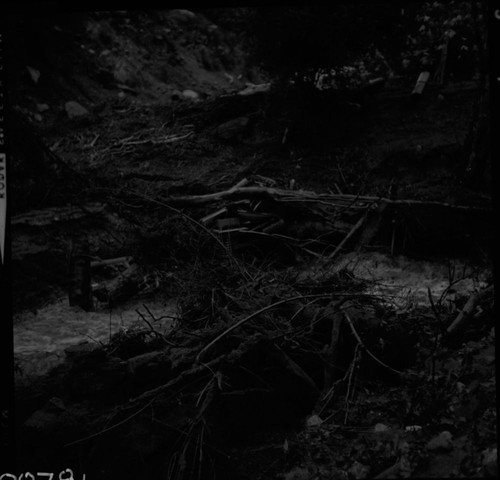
468	310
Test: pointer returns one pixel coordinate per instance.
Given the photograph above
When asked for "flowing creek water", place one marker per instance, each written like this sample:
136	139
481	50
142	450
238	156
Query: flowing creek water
406	281
40	338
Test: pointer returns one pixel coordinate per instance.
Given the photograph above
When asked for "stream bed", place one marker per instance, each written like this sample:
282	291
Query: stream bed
406	281
40	338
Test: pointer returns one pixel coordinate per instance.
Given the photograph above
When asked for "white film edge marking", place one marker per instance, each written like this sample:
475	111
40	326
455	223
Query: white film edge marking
3	202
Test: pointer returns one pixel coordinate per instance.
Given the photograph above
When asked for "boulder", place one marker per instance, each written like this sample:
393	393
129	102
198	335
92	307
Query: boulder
443	442
191	95
74	109
232	128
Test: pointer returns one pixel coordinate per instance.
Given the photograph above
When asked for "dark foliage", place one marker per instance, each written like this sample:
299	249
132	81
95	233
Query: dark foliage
411	35
300	39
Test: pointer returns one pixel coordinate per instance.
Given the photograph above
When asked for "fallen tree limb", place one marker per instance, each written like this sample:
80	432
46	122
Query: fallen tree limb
292	367
363	346
111	261
150	177
467	312
167	139
372	226
49	216
391	472
354	229
229	357
148	395
424	203
253	315
331	353
203	227
305	195
105	430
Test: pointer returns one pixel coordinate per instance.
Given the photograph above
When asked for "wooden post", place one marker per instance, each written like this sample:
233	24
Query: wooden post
421	82
80	288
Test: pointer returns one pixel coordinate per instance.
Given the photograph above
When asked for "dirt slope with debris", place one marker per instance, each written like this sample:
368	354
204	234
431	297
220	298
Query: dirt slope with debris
92	58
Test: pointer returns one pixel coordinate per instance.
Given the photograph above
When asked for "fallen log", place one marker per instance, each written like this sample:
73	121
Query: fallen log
50	216
467	312
111	261
391	472
421	82
372	225
79	286
288	365
120	288
282	195
354	229
230	358
331	351
211	217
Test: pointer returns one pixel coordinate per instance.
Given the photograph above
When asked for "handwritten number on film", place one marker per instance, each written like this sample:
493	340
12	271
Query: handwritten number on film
64	475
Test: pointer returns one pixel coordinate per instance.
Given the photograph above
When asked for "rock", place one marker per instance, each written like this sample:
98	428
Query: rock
105	78
253	89
182	14
442	442
152	367
299	473
413	428
56	404
41	420
380	427
314	421
58	425
88	380
34	74
359	471
74	109
176	95
126	74
85	352
191	94
126	88
490	462
38	363
205	59
42	107
232	128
